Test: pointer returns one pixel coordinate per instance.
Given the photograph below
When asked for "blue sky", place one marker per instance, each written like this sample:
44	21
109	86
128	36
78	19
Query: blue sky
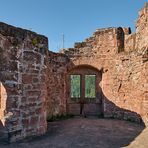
76	19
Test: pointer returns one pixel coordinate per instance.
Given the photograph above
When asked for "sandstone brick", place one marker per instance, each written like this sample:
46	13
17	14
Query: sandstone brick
26	79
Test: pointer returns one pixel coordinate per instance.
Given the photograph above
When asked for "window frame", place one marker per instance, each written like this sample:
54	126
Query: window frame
85	86
76	98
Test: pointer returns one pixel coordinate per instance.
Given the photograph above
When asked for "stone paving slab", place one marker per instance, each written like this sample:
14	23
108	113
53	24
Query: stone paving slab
87	133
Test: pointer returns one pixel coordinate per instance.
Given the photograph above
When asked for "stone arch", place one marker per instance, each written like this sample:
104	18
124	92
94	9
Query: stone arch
93	63
84	66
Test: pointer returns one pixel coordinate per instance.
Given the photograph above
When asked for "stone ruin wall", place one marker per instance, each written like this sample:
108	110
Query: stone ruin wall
33	79
123	58
137	44
23	67
58	65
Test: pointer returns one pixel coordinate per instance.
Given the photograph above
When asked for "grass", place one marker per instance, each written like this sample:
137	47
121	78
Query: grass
34	42
59	117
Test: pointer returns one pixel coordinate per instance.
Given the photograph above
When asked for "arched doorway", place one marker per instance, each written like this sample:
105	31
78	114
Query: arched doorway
84	91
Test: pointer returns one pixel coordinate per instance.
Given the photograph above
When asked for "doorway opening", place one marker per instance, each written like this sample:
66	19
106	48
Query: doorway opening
85	93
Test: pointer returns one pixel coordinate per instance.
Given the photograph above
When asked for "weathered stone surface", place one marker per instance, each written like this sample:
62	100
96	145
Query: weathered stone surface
123	57
56	86
34	84
22	65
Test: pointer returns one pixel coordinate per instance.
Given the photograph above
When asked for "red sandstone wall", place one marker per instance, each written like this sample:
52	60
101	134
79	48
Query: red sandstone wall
139	40
22	74
142	29
58	65
138	43
124	85
33	81
124	81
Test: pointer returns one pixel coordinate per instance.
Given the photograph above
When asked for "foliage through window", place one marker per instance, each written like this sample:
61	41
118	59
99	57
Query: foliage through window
75	86
90	83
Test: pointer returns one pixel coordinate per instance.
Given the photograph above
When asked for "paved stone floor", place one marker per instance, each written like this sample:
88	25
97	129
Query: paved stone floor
88	133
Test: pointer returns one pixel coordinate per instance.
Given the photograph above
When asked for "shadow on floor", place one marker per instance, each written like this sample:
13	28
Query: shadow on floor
81	132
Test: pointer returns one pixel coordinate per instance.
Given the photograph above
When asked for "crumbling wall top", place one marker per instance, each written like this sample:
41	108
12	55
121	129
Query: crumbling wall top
20	34
144	10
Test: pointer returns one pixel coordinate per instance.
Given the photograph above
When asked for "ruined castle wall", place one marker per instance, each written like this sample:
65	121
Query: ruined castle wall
124	64
99	51
22	76
138	41
142	45
124	86
95	50
58	65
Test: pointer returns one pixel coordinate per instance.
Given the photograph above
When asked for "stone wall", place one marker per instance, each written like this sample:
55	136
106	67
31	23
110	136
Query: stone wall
58	65
124	85
22	75
123	57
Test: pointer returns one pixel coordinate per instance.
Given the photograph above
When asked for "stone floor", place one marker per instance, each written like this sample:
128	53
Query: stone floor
87	133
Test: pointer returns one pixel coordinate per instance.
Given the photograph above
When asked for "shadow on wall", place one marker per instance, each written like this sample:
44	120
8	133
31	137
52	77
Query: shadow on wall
111	110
